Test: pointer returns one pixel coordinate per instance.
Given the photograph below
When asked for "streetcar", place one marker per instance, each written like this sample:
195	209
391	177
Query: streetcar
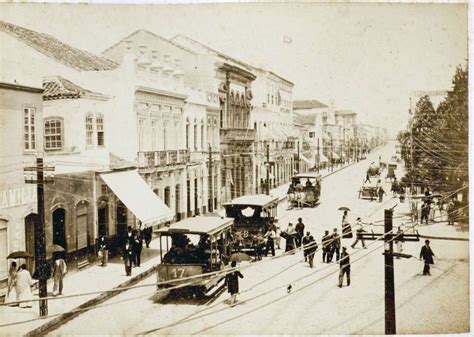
253	215
304	190
192	247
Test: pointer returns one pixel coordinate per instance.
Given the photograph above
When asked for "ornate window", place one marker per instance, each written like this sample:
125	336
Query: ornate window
141	134
202	135
100	130
195	135
53	134
29	115
187	133
89	130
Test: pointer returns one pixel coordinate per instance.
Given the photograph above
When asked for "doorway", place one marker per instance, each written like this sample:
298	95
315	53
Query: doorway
121	216
177	202
59	227
30	221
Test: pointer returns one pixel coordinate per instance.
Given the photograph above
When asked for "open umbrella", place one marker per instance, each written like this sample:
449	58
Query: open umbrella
239	257
55	248
19	255
343	208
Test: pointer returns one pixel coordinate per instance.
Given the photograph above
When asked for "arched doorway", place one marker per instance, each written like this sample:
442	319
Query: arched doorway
178	202
30	221
167	196
121	224
59	227
102	218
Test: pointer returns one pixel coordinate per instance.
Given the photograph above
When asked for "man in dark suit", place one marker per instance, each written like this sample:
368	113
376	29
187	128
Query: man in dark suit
345	267
427	255
137	245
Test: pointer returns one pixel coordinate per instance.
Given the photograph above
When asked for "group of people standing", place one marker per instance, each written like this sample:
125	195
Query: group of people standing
132	248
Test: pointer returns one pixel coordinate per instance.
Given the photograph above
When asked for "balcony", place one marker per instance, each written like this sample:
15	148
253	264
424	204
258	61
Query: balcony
152	159
237	135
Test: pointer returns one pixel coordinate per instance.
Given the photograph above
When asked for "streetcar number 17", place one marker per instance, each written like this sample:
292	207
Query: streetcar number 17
178	272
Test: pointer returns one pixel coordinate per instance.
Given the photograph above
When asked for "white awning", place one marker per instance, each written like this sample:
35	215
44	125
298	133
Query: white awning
138	197
309	161
322	158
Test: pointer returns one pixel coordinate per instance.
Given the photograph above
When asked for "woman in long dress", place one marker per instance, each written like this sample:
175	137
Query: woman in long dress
11	285
23	286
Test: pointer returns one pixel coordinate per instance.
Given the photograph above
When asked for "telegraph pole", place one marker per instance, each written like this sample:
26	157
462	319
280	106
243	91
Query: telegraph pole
411	148
390	321
268	169
319	158
210	188
332	167
41	267
298	162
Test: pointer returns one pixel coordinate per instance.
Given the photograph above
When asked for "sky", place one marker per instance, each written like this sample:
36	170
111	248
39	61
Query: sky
364	57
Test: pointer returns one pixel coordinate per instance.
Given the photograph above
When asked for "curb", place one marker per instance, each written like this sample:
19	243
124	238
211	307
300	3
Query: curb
73	313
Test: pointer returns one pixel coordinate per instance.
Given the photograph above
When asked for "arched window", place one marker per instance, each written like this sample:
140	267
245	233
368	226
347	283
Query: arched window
195	135
203	145
89	129
187	133
53	134
100	130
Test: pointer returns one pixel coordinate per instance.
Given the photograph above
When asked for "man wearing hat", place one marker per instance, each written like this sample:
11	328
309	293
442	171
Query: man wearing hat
345	267
427	254
306	241
359	229
299	228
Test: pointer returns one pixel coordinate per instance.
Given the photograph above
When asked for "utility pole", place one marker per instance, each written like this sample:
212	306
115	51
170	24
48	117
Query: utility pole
210	187
389	237
411	148
332	167
390	320
319	158
41	267
298	161
268	169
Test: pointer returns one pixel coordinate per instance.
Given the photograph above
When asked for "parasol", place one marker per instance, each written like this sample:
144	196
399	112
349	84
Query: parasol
55	248
343	208
19	255
239	257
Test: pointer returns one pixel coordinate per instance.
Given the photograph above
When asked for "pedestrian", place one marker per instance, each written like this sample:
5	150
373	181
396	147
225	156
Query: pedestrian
59	270
299	228
290	235
336	243
427	255
305	242
12	295
359	230
381	192
346	227
367	178
425	211
147	235
450	208
137	247
23	286
395	187
277	236
311	249
129	236
270	235
326	244
344	217
103	250
232	282
345	267
259	243
128	258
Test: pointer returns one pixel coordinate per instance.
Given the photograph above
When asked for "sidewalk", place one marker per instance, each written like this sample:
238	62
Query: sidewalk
94	278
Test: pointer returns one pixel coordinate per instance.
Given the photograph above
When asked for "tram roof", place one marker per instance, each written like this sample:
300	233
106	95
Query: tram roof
198	225
253	200
312	175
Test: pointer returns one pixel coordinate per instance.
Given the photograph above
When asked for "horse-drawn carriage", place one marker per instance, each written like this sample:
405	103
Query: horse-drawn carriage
373	171
391	172
304	190
253	215
368	190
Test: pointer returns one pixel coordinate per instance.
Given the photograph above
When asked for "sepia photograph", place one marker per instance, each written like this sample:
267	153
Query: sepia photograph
234	168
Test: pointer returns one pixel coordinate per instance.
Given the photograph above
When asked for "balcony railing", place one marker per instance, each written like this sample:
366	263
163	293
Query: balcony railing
246	135
150	159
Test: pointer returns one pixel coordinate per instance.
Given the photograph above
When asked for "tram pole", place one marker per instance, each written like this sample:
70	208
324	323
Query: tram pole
319	158
390	321
268	170
210	187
